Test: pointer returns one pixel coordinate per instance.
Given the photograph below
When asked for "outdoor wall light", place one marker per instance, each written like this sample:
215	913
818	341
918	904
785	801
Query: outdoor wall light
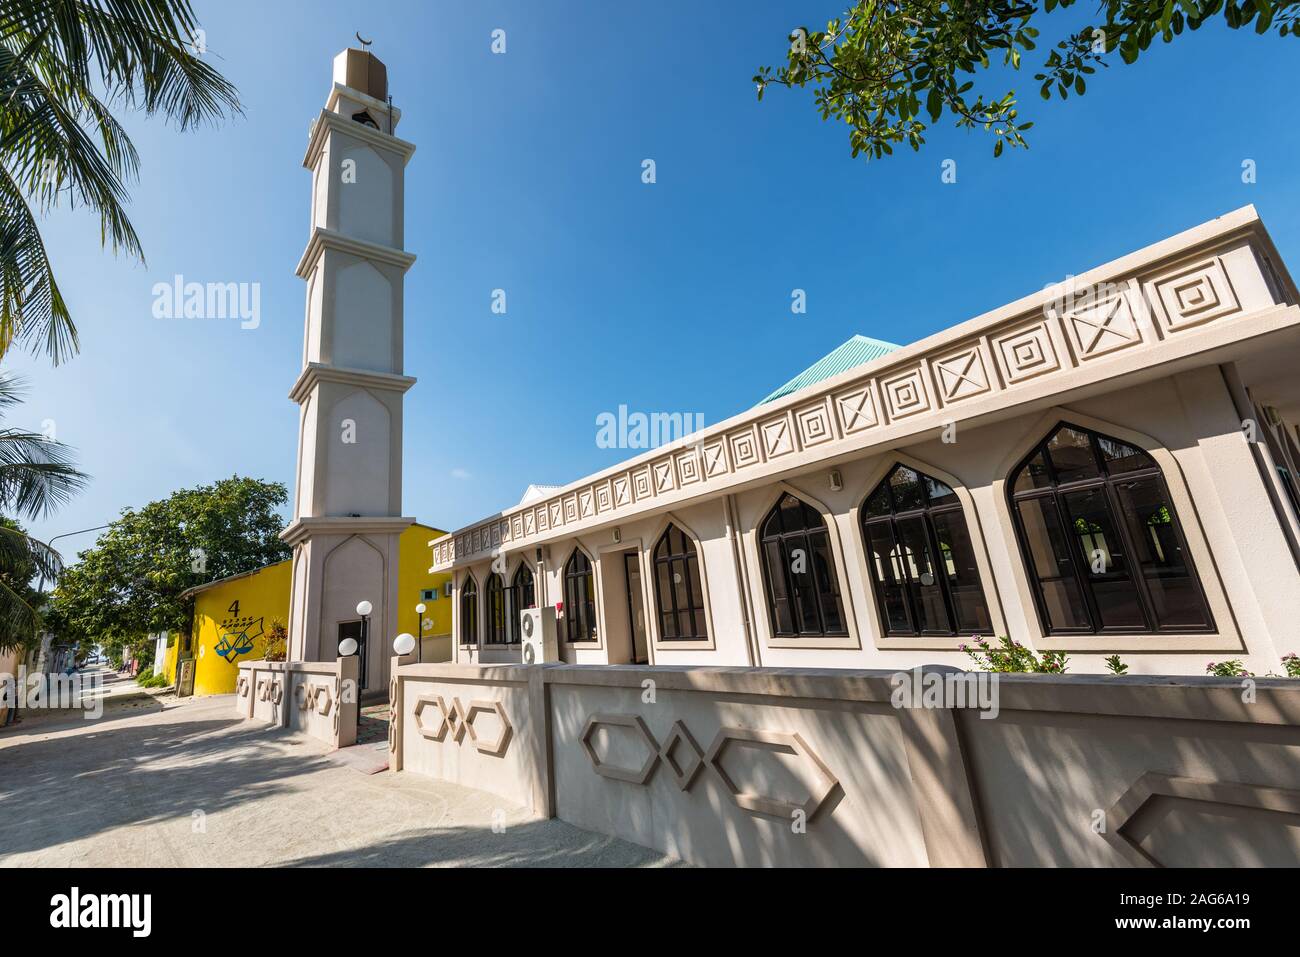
364	608
404	643
348	646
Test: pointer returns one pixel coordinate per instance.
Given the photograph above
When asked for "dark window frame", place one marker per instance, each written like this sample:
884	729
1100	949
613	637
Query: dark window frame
1054	492
687	562
784	540
515	601
911	589
496	631
468	612
580	614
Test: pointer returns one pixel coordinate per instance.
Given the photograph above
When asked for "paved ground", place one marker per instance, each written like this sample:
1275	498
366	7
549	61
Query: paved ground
164	782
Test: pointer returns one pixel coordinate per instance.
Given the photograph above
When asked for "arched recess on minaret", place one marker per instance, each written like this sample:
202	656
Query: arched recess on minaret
362	290
366	195
353	570
358	456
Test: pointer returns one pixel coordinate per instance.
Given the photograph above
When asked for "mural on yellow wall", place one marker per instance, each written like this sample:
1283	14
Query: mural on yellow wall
231	620
234	617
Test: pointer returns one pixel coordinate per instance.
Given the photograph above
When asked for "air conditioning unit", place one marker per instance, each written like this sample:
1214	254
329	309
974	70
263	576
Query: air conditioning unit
446	589
537	626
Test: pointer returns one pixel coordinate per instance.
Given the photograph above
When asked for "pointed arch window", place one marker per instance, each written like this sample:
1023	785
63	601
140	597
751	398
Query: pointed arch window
679	590
921	558
1101	539
579	598
469	612
520	596
803	590
495	596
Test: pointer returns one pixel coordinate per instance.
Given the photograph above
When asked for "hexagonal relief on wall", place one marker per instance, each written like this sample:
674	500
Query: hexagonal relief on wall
431	716
630	775
782	742
1165	820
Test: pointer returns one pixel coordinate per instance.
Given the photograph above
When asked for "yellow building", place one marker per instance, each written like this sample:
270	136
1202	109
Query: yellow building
234	616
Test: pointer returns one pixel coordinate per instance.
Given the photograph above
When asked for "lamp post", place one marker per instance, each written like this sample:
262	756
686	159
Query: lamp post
419	640
364	608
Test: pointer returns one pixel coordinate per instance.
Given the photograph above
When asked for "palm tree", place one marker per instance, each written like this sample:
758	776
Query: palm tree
37	475
63	65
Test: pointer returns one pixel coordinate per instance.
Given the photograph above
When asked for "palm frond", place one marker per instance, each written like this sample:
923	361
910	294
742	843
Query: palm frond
20	620
22	556
36	475
59	139
31	305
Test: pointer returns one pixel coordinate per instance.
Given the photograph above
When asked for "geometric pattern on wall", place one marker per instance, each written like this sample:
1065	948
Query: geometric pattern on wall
688	467
663	475
586	507
641	484
458	719
1027	352
1008	350
744	449
905	394
684	760
1195	295
778	439
962	375
1102	327
814	425
270	689
622	491
1154	784
856	409
715	459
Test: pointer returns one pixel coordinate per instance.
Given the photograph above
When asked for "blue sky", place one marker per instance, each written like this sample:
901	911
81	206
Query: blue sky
671	297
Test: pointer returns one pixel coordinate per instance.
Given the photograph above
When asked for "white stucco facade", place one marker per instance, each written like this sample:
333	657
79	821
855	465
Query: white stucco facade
1185	350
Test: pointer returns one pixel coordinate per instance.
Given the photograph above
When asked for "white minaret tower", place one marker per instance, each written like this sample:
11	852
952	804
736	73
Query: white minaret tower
348	500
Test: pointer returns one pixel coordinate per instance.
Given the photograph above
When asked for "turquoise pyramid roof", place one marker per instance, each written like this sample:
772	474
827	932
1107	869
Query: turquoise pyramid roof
855	352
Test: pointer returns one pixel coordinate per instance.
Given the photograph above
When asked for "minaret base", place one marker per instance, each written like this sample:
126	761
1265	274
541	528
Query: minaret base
338	562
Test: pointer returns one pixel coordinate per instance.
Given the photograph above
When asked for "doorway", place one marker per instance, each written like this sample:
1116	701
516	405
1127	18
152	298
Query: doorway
636	608
352	629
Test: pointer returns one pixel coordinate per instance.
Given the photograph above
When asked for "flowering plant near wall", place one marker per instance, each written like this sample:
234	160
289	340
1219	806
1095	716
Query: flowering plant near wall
1228	669
1015	657
1291	663
276	640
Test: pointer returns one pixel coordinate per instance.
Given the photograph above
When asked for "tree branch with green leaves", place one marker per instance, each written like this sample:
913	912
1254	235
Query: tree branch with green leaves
891	69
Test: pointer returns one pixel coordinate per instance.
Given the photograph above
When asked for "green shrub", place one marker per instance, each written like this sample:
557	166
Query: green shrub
1115	666
1228	669
1014	657
1292	664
